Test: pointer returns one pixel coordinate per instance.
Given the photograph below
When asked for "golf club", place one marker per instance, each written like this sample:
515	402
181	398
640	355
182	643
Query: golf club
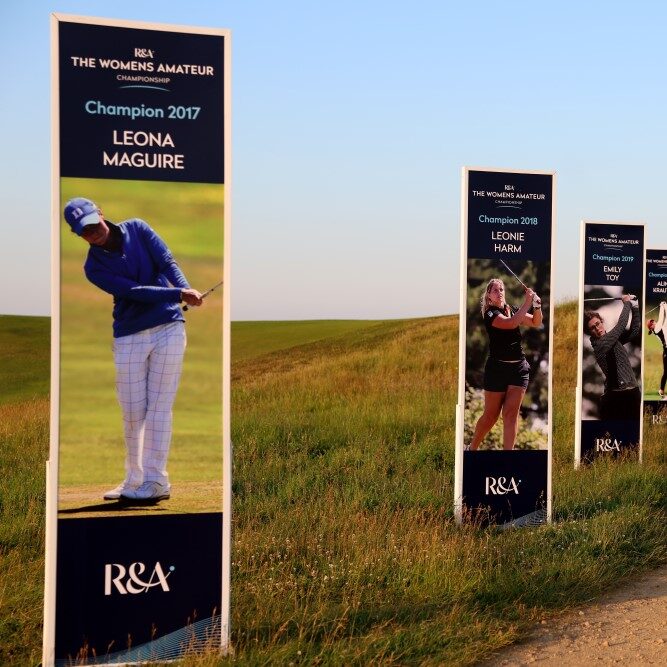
514	274
611	298
207	292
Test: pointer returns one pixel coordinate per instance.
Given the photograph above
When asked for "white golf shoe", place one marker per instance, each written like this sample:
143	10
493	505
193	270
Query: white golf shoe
148	491
116	493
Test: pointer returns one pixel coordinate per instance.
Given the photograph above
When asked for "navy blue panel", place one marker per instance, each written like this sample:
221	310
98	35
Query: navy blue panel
656	278
499	486
656	412
140	104
614	255
608	438
509	215
124	581
613	265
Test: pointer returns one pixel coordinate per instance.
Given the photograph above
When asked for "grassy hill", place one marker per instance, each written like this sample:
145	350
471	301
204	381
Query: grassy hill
345	550
25	358
255	339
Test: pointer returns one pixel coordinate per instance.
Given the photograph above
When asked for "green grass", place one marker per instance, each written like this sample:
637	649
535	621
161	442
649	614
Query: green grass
24	358
345	549
253	339
188	216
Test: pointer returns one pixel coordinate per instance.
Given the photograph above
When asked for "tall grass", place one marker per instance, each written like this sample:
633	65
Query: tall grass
24	437
345	549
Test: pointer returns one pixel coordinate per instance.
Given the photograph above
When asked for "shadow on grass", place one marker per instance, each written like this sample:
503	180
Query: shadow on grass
119	506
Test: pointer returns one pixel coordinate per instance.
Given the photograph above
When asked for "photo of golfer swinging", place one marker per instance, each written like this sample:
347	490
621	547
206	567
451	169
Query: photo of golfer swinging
611	354
140	419
507	356
132	263
656	328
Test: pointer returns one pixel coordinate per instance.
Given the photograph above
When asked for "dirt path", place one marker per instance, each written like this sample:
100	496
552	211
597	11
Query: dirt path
626	627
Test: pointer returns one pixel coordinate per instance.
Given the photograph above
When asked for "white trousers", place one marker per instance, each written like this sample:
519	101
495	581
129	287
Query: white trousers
148	369
662	318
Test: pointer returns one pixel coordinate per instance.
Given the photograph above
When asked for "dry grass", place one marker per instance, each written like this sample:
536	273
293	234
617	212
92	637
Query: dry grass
345	550
24	435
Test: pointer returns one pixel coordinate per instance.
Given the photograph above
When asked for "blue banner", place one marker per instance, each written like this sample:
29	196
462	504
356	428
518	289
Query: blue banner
504	435
137	539
140	104
610	363
655	350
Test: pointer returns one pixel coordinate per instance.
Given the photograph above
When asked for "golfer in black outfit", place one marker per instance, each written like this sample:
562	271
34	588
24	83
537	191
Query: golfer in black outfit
622	396
506	370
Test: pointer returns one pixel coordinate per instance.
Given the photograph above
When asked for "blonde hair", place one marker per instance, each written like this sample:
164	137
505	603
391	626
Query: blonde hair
484	301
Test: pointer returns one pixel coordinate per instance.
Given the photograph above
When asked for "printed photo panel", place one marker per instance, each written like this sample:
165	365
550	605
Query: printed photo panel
610	340
504	424
655	347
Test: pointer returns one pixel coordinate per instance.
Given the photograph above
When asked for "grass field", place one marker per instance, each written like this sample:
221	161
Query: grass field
25	358
345	550
188	216
254	339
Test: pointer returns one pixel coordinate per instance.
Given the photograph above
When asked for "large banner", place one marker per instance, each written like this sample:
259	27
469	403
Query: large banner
608	420
655	349
139	473
503	449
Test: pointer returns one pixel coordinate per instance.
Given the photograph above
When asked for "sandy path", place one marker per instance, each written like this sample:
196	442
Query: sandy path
626	627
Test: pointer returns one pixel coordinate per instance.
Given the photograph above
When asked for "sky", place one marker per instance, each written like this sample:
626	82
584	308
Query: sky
351	123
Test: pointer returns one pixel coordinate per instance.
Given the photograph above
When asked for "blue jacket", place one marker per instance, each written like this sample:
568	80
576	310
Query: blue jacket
142	277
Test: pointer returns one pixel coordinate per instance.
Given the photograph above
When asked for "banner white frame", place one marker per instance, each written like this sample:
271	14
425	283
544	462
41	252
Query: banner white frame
52	464
580	329
463	282
647	250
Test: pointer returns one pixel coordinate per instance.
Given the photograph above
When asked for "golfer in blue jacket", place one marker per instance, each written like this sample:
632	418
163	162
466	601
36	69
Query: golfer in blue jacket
132	263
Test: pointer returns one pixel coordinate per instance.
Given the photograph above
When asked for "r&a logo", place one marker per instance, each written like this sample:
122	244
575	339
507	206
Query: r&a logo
501	486
128	580
607	444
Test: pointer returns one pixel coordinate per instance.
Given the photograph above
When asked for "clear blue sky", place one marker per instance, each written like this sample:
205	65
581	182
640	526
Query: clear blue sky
351	122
